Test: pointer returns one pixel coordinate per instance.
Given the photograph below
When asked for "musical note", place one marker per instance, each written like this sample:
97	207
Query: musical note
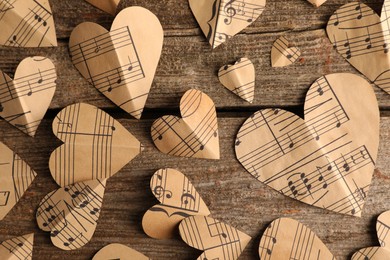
17	247
282	55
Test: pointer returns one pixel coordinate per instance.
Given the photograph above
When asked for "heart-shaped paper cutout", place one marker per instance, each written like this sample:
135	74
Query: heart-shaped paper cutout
193	135
16	176
17	248
362	38
119	252
326	160
108	6
317	3
218	240
239	78
179	199
282	55
222	19
286	238
71	213
27	23
95	145
25	100
383	232
121	63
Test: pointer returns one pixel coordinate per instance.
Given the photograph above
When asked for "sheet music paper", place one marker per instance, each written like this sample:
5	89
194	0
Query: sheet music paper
17	248
25	99
286	238
178	200
120	252
362	38
282	55
327	159
239	78
16	176
27	23
95	145
222	19
71	213
317	3
216	239
383	233
108	6
121	63
193	135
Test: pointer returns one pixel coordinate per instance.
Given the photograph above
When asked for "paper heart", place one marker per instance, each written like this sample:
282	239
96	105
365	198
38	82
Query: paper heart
193	135
282	55
17	248
120	252
121	63
317	3
383	232
326	160
95	145
27	23
179	199
222	19
286	238
71	213
239	78
218	240
362	38
25	100
108	6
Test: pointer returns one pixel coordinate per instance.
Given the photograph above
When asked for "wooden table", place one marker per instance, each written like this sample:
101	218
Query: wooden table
231	193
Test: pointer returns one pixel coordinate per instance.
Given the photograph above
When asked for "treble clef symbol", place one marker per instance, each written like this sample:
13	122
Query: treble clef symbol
230	11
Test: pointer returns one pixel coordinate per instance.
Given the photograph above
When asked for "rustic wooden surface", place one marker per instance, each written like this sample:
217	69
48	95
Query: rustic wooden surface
232	194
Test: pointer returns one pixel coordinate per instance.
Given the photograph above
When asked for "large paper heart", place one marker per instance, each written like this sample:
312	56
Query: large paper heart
25	100
362	38
118	252
17	248
286	238
95	145
218	240
193	135
327	159
27	23
222	19
108	6
282	55
121	63
179	199
71	213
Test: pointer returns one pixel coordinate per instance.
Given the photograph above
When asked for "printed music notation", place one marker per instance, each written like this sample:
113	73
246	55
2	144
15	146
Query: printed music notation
18	248
286	238
239	78
218	240
118	252
96	146
71	213
323	160
282	55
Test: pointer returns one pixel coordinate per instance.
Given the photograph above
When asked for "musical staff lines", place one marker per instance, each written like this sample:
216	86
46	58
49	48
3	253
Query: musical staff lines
283	55
20	248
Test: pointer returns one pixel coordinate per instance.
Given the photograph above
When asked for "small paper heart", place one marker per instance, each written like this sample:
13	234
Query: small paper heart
108	6
317	3
119	252
282	55
17	248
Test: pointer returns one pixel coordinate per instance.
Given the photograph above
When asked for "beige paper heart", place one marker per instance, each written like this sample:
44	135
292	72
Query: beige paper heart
383	232
121	63
239	78
27	23
16	176
222	19
362	38
193	135
218	240
119	252
327	159
286	238
95	145
17	248
108	6
25	100
179	199
71	213
317	3
282	55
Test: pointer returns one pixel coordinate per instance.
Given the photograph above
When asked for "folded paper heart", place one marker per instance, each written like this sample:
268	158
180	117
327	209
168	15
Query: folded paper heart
383	232
286	238
317	3
16	176
25	100
179	199
222	19
239	78
95	145
17	248
217	240
108	6
121	63
27	23
282	55
120	252
193	135
71	213
327	159
362	38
